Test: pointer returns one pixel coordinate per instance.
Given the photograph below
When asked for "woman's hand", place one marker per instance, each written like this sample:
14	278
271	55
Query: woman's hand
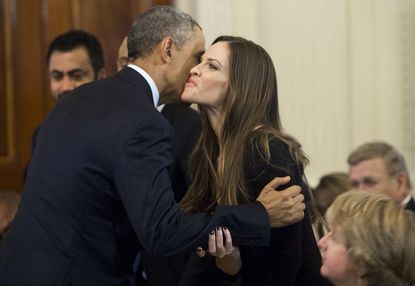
228	258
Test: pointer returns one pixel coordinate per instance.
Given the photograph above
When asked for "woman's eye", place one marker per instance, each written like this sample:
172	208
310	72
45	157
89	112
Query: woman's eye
212	67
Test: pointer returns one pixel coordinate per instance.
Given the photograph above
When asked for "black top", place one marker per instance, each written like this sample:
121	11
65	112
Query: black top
292	258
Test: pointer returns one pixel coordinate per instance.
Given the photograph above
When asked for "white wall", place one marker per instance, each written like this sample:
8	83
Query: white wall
346	69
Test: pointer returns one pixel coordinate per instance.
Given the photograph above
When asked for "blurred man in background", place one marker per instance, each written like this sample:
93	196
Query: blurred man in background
378	166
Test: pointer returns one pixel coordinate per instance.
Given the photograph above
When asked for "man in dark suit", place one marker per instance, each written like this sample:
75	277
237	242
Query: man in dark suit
98	187
186	125
378	166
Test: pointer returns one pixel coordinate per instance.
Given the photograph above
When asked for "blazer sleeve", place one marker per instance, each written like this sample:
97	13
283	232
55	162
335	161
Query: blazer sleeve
142	181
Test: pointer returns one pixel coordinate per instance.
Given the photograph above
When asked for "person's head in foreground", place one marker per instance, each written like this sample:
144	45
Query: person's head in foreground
371	242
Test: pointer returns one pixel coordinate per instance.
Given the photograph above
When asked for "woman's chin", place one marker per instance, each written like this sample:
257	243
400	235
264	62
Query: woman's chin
323	271
186	96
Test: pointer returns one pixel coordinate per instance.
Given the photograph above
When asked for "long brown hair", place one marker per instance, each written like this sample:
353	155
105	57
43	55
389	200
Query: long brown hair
251	102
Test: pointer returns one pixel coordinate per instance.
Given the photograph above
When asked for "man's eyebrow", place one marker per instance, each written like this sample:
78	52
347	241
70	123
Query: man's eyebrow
71	72
55	71
75	71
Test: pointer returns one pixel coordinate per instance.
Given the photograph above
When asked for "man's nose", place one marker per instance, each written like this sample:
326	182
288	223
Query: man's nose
359	186
67	84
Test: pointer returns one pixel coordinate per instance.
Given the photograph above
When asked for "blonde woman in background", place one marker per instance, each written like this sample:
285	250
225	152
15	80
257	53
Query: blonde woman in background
371	242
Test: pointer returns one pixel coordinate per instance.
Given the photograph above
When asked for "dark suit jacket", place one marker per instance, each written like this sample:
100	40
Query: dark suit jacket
186	130
98	190
411	205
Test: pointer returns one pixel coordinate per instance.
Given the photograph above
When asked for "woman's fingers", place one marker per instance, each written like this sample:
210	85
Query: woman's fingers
219	243
200	252
220	247
228	241
212	242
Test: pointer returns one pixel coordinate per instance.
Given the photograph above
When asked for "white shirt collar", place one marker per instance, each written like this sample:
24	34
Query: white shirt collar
150	81
160	107
406	200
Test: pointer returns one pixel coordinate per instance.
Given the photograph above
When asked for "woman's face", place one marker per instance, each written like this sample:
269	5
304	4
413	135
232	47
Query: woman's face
209	81
336	265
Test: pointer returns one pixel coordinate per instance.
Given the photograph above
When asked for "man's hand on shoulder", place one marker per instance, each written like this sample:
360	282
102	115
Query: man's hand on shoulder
283	207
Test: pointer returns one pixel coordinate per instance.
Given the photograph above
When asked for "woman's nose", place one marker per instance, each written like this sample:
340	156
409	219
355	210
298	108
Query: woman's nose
322	242
195	71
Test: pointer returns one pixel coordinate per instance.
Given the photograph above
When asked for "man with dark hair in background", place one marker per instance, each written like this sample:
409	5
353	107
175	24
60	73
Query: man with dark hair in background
74	58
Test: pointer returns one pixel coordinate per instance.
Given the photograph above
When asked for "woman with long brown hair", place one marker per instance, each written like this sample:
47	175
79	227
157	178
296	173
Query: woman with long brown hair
242	147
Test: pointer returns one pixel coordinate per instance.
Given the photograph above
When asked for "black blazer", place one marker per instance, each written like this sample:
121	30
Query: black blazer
98	190
186	126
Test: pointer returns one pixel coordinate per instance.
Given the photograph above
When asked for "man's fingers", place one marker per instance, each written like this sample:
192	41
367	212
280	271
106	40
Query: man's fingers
292	191
298	216
297	200
301	207
265	195
284	207
278	181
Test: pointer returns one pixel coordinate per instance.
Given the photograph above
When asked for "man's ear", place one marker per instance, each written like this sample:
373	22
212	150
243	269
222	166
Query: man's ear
402	180
101	74
166	47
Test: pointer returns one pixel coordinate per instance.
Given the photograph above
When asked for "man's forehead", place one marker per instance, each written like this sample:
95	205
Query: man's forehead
69	71
69	64
77	55
199	39
77	51
364	175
